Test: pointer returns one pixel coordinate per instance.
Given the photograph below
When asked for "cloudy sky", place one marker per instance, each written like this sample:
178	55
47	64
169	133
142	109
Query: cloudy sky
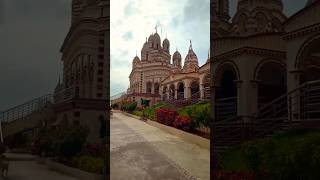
32	31
181	20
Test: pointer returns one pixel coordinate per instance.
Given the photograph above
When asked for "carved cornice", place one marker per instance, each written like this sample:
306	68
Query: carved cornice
301	32
252	51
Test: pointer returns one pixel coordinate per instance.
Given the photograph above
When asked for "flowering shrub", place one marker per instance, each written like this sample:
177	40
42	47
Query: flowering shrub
182	122
224	175
166	116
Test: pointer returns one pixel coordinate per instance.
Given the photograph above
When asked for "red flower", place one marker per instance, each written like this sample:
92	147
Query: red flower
166	116
182	122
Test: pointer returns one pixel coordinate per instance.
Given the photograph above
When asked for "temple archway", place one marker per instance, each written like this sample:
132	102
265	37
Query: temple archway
308	60
272	81
195	89
149	87
180	90
156	88
226	91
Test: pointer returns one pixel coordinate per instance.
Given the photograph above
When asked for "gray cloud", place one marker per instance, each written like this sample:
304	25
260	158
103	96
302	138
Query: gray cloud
30	40
290	7
195	12
128	36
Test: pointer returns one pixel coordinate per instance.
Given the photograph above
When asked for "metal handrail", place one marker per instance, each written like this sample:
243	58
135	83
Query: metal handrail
25	109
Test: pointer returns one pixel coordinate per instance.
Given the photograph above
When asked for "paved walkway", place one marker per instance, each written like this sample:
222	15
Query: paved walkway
140	151
26	169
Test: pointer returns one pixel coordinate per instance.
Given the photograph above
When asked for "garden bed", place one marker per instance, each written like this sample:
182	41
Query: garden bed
193	119
203	142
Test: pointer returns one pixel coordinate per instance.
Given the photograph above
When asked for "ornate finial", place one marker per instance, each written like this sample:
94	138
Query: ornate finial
136	53
190	45
156	29
146	39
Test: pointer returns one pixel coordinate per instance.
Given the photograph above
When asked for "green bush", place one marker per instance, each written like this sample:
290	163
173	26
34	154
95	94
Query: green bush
88	163
294	155
65	142
199	114
130	107
137	113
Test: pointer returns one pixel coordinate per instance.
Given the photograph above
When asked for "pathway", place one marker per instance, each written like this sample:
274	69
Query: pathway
140	151
27	169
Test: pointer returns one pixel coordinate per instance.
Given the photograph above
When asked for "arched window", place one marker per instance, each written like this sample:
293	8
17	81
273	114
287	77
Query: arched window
148	87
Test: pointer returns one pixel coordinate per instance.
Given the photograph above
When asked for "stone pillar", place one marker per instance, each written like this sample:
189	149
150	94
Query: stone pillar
293	99
152	87
176	94
187	92
254	96
201	88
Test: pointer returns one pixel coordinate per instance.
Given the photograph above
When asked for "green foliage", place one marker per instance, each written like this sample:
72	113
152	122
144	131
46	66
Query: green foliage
294	155
137	113
18	140
130	107
199	114
65	142
88	163
149	112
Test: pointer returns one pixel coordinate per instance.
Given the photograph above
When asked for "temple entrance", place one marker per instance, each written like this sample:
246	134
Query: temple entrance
180	90
226	93
156	88
309	66
271	82
149	87
195	90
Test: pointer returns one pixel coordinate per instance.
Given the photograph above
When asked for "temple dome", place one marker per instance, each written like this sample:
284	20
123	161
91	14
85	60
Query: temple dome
176	55
156	41
191	56
191	61
166	44
136	59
